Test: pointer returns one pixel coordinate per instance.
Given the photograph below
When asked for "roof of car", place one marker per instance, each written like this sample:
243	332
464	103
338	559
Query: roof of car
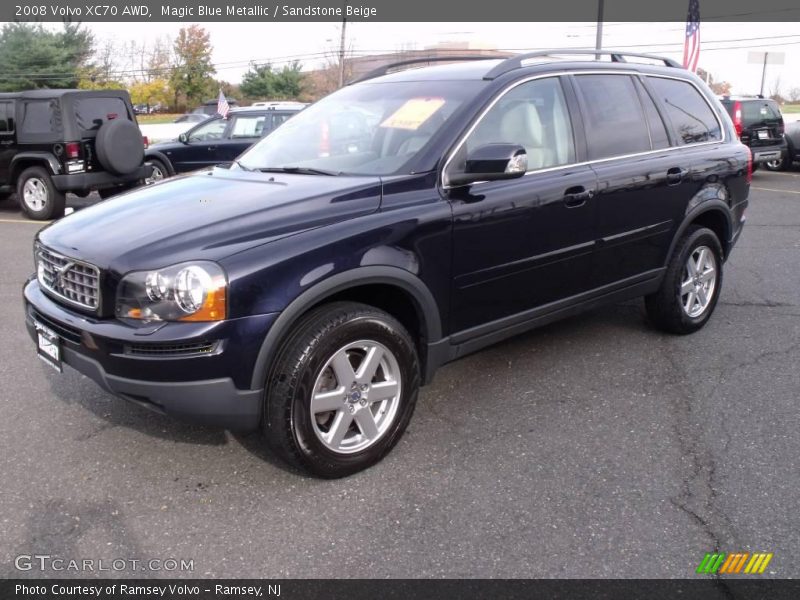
56	93
264	109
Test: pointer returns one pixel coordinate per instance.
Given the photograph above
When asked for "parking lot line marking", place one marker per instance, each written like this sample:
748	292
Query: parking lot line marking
22	221
786	174
774	190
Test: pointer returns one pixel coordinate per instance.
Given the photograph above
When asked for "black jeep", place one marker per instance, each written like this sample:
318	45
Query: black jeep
58	141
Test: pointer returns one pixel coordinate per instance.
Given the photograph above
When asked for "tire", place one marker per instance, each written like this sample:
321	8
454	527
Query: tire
37	195
685	301
312	362
119	146
779	165
160	171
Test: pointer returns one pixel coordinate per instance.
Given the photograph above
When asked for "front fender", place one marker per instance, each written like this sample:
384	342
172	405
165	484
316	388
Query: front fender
162	157
378	274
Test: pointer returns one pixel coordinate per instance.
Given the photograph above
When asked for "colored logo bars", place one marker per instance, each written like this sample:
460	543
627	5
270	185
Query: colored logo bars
734	562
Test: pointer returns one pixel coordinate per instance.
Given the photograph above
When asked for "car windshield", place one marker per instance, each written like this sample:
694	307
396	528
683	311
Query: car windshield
367	129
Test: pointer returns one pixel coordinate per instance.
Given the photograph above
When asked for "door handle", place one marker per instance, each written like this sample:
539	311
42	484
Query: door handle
212	148
577	196
676	174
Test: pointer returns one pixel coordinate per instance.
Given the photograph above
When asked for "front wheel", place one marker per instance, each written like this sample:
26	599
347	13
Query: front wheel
342	390
160	171
37	195
691	285
779	164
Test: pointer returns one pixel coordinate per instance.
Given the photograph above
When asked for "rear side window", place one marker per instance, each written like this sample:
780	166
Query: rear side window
691	116
6	117
91	113
615	121
40	116
248	126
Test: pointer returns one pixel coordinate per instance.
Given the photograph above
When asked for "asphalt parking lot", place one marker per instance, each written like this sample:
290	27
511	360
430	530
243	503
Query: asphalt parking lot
594	447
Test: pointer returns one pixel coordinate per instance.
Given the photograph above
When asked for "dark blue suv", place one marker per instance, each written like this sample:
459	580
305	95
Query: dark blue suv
406	220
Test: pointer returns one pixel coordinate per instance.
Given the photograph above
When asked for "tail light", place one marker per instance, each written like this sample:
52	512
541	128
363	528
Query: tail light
749	176
72	149
145	141
325	140
737	117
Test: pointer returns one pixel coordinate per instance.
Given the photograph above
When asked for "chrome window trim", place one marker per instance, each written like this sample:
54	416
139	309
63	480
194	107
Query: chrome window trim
70	301
514	84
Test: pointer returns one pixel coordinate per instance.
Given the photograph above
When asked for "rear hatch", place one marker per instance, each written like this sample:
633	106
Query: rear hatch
758	121
90	112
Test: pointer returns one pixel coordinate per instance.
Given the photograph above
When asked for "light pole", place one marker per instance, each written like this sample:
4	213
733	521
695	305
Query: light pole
598	44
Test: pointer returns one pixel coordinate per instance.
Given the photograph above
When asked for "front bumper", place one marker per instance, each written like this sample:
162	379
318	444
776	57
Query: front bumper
99	180
205	388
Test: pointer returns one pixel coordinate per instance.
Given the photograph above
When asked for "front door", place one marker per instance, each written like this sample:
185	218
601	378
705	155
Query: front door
522	243
200	149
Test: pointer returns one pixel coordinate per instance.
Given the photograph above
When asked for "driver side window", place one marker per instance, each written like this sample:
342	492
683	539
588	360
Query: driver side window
533	115
209	131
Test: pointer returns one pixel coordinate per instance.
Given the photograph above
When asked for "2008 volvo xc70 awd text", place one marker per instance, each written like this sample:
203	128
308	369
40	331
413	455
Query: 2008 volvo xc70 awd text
410	218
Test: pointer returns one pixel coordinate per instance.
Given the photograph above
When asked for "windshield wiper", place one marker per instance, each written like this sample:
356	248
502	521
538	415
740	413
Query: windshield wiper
241	166
301	170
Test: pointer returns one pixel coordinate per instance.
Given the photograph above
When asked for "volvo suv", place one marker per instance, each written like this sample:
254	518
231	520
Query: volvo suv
413	217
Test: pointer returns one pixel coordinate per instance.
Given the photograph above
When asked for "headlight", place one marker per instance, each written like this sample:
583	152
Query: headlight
195	291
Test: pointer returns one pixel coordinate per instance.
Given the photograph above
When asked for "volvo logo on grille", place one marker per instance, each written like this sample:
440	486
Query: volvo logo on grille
59	272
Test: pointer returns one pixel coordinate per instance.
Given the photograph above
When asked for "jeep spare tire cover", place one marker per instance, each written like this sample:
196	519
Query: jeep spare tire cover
119	146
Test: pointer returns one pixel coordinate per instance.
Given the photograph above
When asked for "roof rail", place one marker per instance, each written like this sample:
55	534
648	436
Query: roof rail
518	61
423	59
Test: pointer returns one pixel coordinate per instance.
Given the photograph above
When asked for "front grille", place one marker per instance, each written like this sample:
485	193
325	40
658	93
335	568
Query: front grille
189	349
76	282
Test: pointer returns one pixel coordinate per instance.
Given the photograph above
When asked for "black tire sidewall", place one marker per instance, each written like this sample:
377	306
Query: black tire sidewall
157	162
56	201
311	452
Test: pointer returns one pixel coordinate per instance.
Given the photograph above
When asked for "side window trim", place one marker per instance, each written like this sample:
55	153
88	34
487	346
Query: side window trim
674	142
641	89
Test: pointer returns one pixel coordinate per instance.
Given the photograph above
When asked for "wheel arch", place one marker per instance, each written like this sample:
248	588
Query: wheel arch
711	212
160	156
395	290
24	160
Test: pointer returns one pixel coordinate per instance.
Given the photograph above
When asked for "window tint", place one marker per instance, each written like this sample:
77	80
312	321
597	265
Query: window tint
248	126
6	117
615	122
213	130
91	113
40	116
756	111
658	133
691	116
533	115
280	118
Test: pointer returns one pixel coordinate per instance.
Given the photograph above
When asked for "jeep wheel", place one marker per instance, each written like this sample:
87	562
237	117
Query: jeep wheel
342	390
37	195
691	285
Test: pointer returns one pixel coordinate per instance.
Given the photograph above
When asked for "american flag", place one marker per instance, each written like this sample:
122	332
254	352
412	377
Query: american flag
222	105
691	47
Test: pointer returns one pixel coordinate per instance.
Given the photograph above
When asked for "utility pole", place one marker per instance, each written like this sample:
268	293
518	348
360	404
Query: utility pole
341	53
763	73
598	44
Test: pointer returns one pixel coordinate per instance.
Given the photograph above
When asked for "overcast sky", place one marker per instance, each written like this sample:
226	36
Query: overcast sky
724	51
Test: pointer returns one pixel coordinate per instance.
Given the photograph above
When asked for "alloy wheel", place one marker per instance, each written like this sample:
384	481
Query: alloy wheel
699	281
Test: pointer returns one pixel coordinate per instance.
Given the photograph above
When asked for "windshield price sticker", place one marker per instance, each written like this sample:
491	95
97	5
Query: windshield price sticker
413	113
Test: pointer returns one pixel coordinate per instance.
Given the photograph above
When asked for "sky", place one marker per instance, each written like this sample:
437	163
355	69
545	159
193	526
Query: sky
725	47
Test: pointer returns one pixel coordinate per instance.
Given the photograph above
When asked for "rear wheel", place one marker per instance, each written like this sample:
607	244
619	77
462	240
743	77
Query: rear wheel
37	195
691	285
342	390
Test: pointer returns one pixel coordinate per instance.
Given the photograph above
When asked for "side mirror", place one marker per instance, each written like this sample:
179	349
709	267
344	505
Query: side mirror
492	162
183	138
